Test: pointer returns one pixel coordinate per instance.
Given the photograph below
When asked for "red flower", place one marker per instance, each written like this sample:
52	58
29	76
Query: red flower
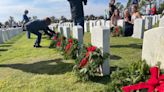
87	54
70	40
58	44
68	47
83	62
117	29
155	82
54	38
91	49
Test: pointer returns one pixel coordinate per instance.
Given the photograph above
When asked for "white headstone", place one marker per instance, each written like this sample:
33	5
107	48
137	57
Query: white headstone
161	22
102	22
98	23
5	35
91	25
86	26
148	22
154	20
66	32
78	34
138	31
153	46
107	24
1	39
60	30
100	38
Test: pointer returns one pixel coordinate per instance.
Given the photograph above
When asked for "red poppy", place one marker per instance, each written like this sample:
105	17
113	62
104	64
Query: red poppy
83	62
117	29
91	49
70	41
68	47
54	38
58	44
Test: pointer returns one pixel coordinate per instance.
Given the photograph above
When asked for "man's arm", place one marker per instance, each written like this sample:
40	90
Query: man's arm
49	32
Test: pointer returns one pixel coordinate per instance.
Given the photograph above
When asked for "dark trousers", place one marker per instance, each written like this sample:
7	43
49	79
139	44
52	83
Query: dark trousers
79	21
28	35
39	36
128	31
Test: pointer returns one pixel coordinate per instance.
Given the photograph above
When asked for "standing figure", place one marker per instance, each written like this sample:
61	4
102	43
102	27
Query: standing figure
153	10
25	20
112	7
77	12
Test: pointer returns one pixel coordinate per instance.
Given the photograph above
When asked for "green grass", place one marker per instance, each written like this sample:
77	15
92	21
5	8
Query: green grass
27	69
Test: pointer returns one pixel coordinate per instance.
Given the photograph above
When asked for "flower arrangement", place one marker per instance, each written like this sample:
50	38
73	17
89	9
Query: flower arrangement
71	49
58	41
117	31
89	62
88	59
136	72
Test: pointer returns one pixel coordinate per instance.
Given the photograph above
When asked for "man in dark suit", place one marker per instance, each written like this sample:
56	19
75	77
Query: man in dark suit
38	25
77	11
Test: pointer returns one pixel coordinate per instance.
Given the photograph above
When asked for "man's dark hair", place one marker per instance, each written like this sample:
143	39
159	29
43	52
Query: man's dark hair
48	20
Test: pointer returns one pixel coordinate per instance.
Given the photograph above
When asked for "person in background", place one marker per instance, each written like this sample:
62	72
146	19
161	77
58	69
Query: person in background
25	20
135	13
115	29
112	7
115	17
147	10
128	31
37	25
77	12
153	10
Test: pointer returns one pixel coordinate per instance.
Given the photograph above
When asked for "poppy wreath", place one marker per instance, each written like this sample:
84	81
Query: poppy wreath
55	40
154	84
117	31
61	43
58	41
71	49
88	63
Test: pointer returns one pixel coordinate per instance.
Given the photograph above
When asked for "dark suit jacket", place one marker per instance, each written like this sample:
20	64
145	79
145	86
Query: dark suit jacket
77	8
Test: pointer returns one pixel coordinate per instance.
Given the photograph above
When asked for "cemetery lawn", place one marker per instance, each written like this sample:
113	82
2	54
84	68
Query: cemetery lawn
27	69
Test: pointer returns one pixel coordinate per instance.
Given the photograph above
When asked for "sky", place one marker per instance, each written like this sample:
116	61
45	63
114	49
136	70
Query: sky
47	8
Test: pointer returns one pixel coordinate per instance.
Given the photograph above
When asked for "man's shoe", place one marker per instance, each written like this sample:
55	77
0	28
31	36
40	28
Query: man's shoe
37	46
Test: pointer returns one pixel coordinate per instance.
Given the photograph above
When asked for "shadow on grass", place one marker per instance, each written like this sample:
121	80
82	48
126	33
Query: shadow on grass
102	80
49	67
5	45
2	50
105	79
115	57
135	46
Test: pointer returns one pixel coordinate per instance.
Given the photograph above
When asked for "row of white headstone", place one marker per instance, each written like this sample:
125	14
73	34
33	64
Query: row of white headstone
7	34
99	38
146	23
153	45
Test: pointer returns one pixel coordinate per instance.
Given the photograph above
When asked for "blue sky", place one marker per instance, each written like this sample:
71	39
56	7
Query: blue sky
45	8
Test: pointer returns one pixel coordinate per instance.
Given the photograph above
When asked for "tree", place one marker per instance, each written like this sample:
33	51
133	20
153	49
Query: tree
161	8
